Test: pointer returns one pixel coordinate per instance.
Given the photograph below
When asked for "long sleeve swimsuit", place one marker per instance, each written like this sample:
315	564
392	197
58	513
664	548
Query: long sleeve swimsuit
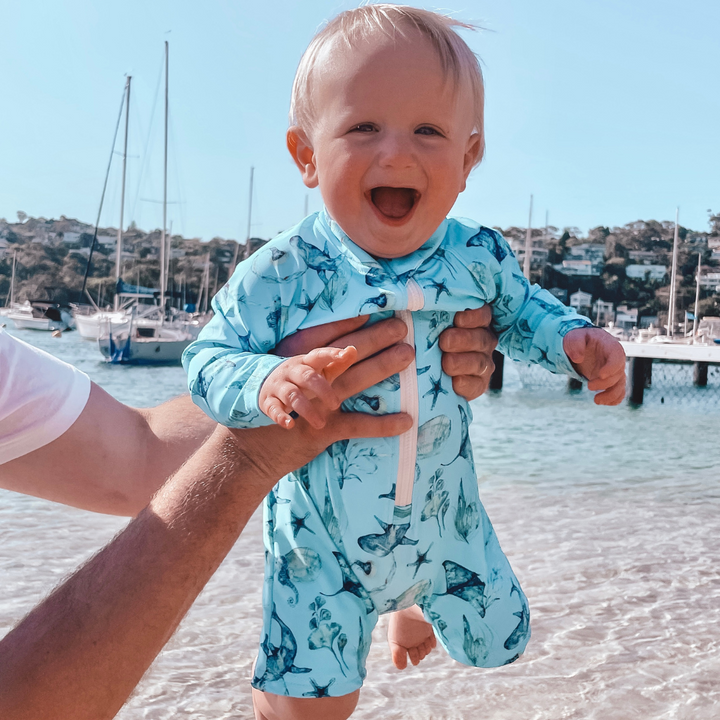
376	525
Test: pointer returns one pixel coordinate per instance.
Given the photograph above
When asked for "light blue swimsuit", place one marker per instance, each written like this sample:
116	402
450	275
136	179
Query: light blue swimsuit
376	525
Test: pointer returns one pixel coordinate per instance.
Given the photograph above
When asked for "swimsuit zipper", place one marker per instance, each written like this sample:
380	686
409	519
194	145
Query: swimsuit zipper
409	402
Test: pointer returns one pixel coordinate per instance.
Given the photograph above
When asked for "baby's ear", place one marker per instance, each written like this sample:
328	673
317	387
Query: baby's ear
302	153
473	153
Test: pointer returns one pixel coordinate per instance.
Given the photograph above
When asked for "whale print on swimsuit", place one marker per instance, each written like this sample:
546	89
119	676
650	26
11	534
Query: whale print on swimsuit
300	565
467	517
279	659
465	450
432	435
483	278
277	319
435	390
437	501
382	544
362	650
334	523
351	584
523	627
466	585
476	648
490	240
324	632
439	320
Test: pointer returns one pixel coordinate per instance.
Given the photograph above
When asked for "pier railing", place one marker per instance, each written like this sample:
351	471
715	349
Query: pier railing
675	375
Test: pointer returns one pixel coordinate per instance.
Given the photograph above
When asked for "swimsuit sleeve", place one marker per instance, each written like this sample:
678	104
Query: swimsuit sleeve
231	359
530	322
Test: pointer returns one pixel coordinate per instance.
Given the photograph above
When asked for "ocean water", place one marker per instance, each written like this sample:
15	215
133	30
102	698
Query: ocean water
610	517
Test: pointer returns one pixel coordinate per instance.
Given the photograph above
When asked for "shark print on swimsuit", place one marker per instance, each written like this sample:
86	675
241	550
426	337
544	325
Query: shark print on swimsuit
414	595
318	260
439	320
334	291
465	450
384	543
432	435
279	659
466	585
523	627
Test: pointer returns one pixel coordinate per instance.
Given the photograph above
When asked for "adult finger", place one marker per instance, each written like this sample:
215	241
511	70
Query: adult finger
480	317
454	339
371	340
369	372
303	341
342	425
470	386
469	363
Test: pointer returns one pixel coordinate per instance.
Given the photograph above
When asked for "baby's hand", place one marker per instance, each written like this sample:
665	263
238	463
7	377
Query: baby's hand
599	357
292	386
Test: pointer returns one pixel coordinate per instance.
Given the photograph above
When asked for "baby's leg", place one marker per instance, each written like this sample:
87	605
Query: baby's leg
409	635
280	707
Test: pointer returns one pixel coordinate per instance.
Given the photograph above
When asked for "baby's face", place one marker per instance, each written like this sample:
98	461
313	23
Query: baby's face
392	144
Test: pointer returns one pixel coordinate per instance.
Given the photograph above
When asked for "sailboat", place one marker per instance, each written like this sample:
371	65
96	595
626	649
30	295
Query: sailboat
157	343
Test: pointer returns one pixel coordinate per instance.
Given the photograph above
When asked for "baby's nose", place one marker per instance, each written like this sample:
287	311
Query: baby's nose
396	151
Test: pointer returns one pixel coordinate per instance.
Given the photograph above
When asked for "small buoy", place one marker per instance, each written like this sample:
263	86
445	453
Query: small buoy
3	325
57	333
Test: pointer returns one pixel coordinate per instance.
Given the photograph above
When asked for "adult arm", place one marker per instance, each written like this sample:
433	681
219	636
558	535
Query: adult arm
114	458
81	652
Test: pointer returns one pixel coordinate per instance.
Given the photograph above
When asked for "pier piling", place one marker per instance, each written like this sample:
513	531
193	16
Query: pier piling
574	385
496	379
640	378
700	374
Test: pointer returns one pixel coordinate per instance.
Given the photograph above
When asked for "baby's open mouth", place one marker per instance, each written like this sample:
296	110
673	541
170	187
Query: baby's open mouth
394	202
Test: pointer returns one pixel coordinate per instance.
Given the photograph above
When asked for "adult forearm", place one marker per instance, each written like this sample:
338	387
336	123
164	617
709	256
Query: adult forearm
82	651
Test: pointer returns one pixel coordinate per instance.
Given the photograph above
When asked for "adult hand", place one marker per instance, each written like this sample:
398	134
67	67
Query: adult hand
600	358
467	347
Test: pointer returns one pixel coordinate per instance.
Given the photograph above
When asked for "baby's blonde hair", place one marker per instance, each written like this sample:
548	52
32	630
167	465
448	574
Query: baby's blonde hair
367	21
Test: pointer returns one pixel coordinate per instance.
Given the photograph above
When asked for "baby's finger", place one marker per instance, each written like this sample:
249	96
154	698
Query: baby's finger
277	414
614	360
305	409
343	362
314	385
603	383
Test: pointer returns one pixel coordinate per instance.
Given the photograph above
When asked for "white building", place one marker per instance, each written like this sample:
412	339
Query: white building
539	255
646	272
594	252
602	312
584	268
581	302
710	279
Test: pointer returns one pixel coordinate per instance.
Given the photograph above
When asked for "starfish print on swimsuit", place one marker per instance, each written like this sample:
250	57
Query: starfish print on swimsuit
298	523
435	390
439	288
319	691
422	559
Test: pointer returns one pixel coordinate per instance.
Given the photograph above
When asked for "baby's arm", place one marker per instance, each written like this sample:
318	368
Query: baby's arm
292	385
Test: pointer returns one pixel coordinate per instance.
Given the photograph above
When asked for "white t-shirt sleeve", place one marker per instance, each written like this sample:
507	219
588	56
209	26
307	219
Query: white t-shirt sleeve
40	397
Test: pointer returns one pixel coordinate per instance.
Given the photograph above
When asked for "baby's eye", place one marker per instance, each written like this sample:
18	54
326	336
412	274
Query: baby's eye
427	130
363	128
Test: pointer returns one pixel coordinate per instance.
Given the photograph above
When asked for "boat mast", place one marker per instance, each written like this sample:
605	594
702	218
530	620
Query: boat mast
697	298
12	280
246	251
164	225
118	253
528	243
673	276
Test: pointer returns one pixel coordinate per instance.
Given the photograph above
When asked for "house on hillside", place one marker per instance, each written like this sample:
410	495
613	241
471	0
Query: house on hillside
714	246
710	279
581	302
602	312
539	256
594	252
582	268
646	272
625	317
646	257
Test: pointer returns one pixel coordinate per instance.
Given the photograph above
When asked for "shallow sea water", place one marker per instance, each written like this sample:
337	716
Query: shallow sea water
610	518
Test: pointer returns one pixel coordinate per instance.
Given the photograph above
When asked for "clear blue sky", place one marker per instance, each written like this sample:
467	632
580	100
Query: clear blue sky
607	112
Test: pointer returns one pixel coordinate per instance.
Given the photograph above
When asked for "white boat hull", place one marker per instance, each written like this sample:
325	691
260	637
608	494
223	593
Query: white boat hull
165	348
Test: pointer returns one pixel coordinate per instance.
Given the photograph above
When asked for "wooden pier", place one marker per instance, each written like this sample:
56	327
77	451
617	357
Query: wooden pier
641	356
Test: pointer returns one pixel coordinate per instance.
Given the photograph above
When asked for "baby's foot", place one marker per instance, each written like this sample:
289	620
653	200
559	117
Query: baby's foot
409	635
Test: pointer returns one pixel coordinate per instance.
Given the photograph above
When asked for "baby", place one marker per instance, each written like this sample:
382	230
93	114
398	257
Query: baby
387	119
